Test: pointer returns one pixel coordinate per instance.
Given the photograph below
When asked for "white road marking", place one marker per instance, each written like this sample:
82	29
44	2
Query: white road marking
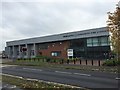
32	79
82	74
13	86
12	76
63	72
7	65
32	69
117	78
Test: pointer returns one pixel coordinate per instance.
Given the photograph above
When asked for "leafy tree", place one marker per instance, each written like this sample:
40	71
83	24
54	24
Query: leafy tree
114	28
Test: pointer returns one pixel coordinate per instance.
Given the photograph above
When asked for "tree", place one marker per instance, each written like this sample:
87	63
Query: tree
113	23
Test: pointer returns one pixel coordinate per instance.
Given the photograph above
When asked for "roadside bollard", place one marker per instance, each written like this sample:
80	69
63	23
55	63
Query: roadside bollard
92	62
98	62
80	62
74	61
86	62
62	61
67	61
54	61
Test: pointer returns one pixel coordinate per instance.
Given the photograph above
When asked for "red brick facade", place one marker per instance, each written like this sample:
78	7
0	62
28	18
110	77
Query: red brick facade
57	47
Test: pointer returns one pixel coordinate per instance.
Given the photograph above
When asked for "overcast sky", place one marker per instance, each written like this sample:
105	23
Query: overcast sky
21	19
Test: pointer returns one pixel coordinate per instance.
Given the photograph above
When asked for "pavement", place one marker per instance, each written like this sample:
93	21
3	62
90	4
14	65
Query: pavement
86	79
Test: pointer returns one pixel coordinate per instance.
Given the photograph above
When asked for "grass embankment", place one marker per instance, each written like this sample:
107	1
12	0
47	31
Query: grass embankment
32	84
38	63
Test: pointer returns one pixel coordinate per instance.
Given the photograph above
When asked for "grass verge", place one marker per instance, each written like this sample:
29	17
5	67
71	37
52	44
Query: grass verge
36	84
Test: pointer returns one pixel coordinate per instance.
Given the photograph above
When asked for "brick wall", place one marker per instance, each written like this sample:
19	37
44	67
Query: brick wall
56	46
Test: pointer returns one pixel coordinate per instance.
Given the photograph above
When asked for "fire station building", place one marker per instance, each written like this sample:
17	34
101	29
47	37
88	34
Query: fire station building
88	44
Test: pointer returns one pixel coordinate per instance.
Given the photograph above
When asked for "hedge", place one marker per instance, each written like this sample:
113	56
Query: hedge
112	62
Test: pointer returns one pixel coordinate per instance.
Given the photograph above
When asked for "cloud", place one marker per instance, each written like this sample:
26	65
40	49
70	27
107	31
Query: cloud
32	19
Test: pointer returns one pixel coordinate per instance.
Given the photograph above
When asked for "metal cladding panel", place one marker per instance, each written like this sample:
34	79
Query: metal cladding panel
65	36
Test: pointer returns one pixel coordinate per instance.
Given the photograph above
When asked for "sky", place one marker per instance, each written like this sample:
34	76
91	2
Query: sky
21	19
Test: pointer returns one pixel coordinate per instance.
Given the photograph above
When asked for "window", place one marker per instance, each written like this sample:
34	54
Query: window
104	41
95	42
109	41
100	41
56	53
89	42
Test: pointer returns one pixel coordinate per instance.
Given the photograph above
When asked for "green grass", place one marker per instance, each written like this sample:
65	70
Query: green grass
28	84
40	63
112	62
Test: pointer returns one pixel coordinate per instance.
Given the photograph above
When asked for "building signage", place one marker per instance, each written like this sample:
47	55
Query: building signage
70	52
84	33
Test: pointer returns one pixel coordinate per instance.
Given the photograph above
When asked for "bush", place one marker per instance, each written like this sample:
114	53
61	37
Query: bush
112	62
72	59
42	57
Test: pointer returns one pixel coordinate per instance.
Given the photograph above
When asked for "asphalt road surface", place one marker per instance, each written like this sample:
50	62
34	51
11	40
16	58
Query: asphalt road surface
87	79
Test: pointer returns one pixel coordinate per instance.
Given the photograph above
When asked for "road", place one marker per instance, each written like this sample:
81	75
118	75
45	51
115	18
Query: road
87	79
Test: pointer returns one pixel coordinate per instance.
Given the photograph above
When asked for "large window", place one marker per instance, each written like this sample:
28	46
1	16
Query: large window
104	41
89	42
56	53
99	41
95	42
77	43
